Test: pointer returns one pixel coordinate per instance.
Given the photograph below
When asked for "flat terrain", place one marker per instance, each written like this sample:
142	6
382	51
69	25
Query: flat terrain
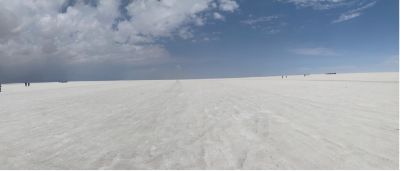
343	121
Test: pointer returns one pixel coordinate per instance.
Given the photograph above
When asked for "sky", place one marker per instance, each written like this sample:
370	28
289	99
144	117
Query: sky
54	40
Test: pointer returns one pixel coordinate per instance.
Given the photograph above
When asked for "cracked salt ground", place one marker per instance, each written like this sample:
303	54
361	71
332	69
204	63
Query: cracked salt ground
344	121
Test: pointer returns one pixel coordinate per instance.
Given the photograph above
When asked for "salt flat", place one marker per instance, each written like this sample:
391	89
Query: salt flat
343	121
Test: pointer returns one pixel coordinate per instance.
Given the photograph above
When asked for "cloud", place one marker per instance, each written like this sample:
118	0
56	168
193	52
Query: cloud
318	4
218	16
358	5
253	21
97	32
162	18
345	17
353	13
269	24
318	51
228	5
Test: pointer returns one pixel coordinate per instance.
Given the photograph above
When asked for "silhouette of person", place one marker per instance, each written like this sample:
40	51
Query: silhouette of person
29	84
25	84
0	87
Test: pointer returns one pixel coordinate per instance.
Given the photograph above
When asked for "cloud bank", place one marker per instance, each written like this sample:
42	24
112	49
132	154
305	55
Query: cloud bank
38	37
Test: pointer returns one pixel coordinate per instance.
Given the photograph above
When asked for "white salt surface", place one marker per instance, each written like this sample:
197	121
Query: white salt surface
343	121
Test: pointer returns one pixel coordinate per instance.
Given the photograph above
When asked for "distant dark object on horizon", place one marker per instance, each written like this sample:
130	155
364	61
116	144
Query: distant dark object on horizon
63	81
330	73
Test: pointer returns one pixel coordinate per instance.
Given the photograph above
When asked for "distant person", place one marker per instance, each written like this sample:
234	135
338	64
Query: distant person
285	76
282	76
26	84
0	87
29	84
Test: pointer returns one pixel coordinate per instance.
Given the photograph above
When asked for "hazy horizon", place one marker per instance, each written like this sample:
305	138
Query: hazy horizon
198	78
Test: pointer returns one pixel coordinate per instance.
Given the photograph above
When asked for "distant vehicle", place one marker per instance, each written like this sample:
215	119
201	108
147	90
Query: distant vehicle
330	73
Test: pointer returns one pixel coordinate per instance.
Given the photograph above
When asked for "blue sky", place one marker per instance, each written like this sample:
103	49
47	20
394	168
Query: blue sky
53	40
367	43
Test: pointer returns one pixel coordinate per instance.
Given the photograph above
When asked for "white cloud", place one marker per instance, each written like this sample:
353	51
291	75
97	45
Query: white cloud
353	13
268	24
37	31
218	16
359	5
154	18
318	51
253	21
228	5
318	4
346	16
